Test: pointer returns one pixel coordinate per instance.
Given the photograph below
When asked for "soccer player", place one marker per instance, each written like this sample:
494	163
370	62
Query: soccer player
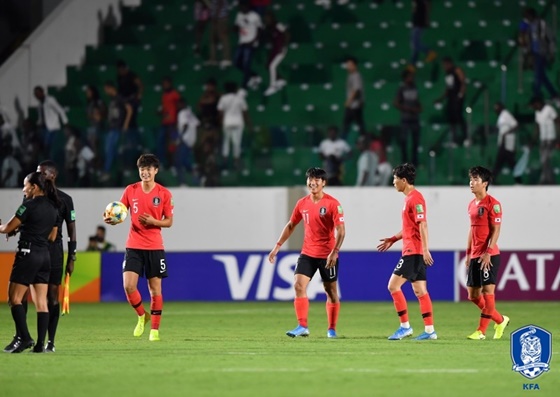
56	251
415	255
483	254
151	208
322	215
37	220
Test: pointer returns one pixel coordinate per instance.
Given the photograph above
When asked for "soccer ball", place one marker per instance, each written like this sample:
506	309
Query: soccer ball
116	211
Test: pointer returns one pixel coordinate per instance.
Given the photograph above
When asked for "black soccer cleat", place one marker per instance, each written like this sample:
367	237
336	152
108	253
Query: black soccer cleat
10	346
21	345
50	347
38	348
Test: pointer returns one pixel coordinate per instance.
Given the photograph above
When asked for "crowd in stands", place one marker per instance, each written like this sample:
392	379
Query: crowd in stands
198	142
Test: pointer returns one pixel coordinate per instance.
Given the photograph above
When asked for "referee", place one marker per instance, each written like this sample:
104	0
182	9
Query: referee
36	219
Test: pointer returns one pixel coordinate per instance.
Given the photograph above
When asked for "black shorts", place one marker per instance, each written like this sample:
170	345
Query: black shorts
57	262
145	263
477	278
31	266
411	267
307	266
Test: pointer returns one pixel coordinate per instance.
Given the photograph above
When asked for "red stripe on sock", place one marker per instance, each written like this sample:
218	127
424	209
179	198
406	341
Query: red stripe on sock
156	308
487	313
400	305
332	314
426	309
135	300
302	310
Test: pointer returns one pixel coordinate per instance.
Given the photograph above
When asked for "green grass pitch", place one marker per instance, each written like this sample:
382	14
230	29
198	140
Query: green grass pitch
240	349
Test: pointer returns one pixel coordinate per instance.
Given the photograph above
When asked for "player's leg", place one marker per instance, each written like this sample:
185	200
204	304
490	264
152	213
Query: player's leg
305	269
133	268
488	291
330	278
474	289
156	270
16	292
426	309
40	292
397	280
11	345
56	253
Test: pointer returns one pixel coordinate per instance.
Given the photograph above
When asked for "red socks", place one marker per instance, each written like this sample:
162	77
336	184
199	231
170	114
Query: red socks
489	313
135	300
155	310
302	309
426	309
332	314
481	302
400	305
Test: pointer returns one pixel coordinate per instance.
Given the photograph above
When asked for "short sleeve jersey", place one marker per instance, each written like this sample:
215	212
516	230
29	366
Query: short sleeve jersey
37	216
483	214
66	212
319	222
158	203
413	213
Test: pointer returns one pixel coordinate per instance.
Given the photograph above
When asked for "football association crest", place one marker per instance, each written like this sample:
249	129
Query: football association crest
531	351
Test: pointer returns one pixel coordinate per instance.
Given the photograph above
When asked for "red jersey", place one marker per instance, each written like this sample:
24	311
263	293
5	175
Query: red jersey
169	104
486	212
413	213
319	222
158	203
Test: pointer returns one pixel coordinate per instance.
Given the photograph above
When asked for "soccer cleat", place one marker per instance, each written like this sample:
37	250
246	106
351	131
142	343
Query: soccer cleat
331	333
142	321
427	336
38	349
21	345
50	347
298	331
477	335
154	335
401	333
10	346
499	328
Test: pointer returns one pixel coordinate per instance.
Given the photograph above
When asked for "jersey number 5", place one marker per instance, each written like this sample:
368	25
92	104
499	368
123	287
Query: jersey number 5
135	206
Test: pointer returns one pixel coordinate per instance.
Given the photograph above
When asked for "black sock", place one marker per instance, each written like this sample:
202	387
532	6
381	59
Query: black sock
24	304
18	314
42	325
54	315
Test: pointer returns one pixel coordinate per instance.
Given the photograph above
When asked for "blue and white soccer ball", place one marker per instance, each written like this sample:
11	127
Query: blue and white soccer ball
116	211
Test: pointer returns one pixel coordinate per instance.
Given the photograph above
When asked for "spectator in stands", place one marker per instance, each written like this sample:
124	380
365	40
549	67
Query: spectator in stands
248	23
455	88
11	168
234	117
97	115
333	151
327	3
129	88
547	120
168	130
51	120
219	17
279	38
420	21
209	175
538	42
98	241
71	156
260	6
31	146
354	104
367	164
378	146
119	114
201	18
408	103
507	127
8	134
187	126
208	104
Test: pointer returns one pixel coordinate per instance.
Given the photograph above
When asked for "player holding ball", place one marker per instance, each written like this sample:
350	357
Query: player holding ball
150	207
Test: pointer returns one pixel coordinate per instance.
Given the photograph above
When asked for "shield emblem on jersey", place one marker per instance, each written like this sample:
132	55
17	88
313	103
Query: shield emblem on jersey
322	211
480	211
156	201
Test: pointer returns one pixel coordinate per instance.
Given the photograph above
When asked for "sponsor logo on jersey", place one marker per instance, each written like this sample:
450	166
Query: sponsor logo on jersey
21	210
156	201
322	211
497	208
480	211
531	351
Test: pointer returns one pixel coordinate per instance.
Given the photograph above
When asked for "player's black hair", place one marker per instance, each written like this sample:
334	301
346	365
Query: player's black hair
405	171
352	59
147	160
483	173
49	164
230	87
316	173
45	184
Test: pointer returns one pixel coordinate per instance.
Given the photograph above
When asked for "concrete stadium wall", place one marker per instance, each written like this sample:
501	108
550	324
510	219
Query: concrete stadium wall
246	219
59	41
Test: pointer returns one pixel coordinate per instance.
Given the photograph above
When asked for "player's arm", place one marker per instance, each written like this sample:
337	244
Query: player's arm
52	234
9	227
284	236
128	117
72	245
462	80
468	250
340	233
148	220
387	242
428	260
485	260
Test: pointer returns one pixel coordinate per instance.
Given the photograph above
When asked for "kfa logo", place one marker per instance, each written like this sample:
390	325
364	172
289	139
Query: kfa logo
531	351
156	201
322	211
